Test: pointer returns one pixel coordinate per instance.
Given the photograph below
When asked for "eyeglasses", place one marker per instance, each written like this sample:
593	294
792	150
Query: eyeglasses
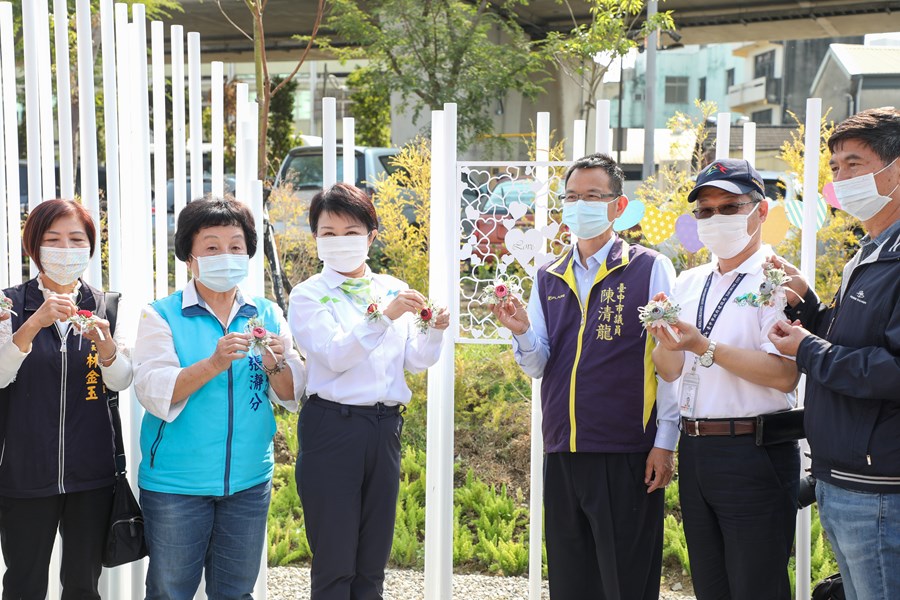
725	209
605	198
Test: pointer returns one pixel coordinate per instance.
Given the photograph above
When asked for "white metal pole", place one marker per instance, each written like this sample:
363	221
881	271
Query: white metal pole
64	100
196	115
535	504
32	105
111	130
750	142
602	134
579	139
179	151
161	195
10	142
329	143
123	145
4	196
144	207
808	268
241	169
723	135
45	100
217	100
87	131
438	542
349	148
650	97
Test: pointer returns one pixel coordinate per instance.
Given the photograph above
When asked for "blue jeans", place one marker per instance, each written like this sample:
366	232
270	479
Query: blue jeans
864	531
223	534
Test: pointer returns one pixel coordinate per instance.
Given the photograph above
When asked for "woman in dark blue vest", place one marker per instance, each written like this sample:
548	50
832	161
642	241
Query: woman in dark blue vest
57	468
209	361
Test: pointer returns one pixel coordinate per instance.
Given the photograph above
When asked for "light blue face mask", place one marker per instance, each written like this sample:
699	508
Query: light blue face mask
586	219
222	272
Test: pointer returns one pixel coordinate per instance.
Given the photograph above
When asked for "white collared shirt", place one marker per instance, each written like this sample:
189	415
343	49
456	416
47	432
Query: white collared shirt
156	363
116	376
353	360
722	394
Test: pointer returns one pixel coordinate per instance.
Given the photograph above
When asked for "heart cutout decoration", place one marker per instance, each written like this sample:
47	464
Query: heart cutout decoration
657	225
632	215
686	232
776	226
525	246
517	210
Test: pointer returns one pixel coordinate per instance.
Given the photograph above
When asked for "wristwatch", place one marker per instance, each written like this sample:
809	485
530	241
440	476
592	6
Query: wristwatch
706	359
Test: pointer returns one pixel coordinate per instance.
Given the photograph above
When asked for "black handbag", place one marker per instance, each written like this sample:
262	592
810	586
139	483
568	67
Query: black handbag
830	588
125	533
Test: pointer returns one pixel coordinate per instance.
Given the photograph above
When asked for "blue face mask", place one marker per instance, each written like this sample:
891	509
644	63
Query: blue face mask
586	219
222	272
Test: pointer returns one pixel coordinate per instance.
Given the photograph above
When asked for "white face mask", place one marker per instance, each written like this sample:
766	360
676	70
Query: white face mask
64	265
586	219
343	253
726	235
859	195
222	272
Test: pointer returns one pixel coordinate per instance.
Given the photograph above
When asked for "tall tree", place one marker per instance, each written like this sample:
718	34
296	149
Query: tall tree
586	52
436	51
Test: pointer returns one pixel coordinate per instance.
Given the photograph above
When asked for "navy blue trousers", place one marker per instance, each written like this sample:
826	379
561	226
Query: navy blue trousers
739	503
604	531
348	477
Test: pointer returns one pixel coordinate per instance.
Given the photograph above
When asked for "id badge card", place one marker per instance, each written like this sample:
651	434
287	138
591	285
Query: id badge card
690	383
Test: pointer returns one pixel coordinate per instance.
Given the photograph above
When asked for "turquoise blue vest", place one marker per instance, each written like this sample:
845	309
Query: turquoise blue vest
221	443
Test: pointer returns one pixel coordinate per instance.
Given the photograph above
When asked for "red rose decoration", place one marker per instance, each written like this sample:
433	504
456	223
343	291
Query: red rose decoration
425	314
501	291
85	313
372	308
259	332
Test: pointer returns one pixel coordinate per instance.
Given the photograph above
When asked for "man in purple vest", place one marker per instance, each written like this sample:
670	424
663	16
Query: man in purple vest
609	427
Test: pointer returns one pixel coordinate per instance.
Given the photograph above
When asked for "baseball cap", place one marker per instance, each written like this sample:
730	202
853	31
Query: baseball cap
730	174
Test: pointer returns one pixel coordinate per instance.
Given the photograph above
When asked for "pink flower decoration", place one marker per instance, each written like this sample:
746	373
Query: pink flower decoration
259	332
85	314
372	308
501	291
425	314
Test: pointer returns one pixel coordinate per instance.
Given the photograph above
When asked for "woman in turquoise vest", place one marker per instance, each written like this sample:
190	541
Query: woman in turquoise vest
209	360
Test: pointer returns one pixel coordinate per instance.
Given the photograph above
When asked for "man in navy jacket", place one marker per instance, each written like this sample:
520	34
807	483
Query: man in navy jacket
850	352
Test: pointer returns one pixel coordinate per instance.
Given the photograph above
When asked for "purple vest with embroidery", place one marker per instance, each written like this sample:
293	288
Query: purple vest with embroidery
598	393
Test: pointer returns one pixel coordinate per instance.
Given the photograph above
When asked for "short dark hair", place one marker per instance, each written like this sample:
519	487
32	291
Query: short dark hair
343	199
601	161
42	217
212	211
877	128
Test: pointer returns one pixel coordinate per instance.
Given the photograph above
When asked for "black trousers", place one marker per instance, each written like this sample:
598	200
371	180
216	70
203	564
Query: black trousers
604	531
27	532
348	477
739	503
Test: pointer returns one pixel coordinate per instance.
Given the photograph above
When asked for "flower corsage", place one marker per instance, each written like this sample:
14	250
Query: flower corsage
425	318
499	291
660	312
373	312
6	305
85	320
259	343
773	290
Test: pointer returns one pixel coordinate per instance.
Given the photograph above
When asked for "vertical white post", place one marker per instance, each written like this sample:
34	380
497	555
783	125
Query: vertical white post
438	541
64	100
650	97
87	130
329	143
808	268
196	115
161	200
179	151
124	147
723	135
217	99
45	99
750	143
349	149
535	503
111	142
602	134
144	195
579	140
241	169
10	142
32	104
4	196
313	75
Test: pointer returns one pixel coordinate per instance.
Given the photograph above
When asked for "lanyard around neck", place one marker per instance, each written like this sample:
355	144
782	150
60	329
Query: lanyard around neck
707	329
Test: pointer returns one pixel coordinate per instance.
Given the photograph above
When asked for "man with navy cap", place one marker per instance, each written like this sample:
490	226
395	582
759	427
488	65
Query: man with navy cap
738	497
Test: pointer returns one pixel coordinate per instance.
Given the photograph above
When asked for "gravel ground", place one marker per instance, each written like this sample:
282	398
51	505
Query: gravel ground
292	583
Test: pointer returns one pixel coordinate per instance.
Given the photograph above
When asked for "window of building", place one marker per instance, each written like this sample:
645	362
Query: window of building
764	64
762	117
701	93
729	79
677	90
